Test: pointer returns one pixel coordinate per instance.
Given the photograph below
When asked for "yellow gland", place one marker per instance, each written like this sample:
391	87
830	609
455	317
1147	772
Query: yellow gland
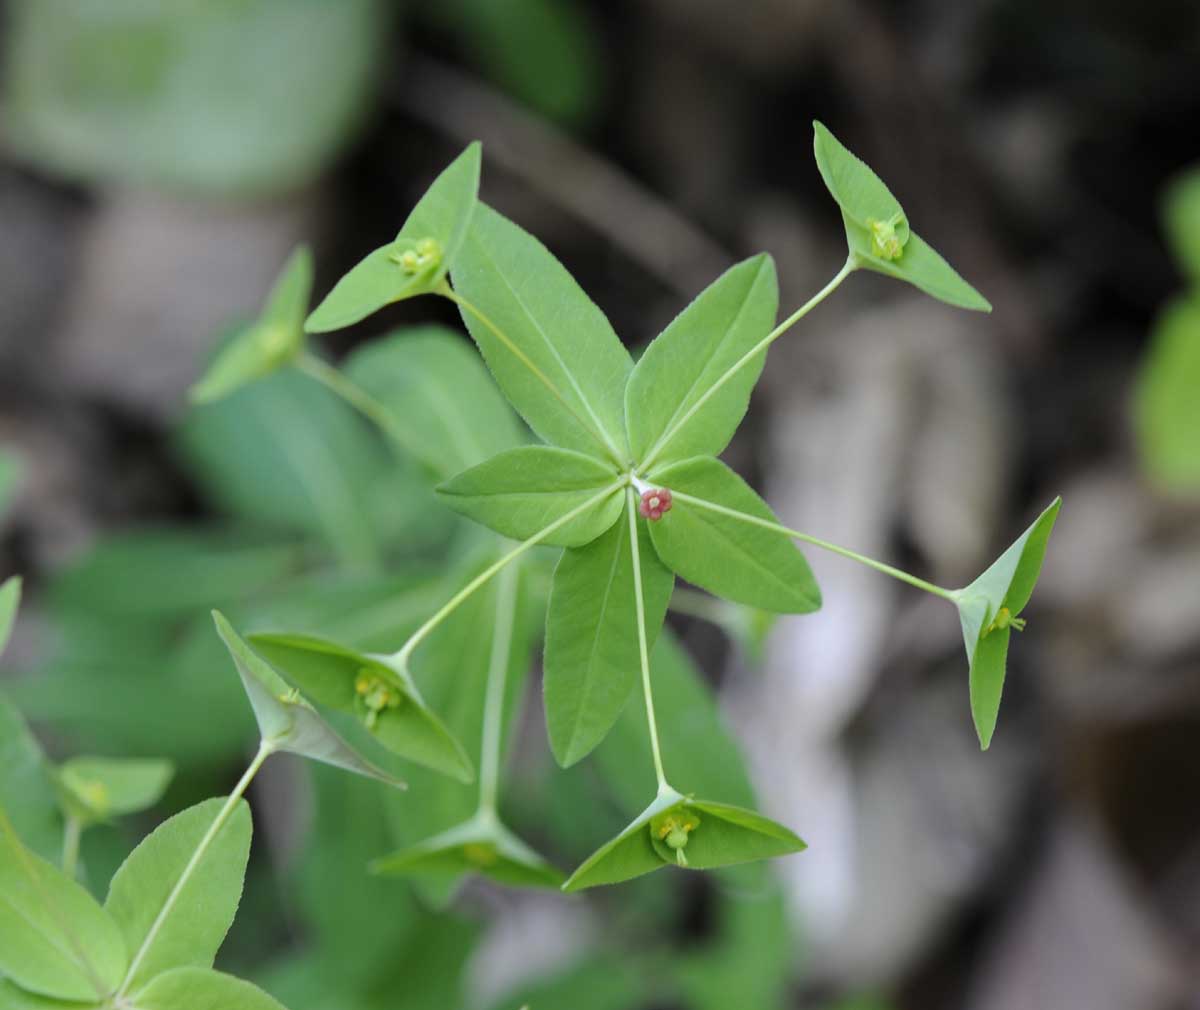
426	253
674	830
1004	619
885	243
376	695
478	854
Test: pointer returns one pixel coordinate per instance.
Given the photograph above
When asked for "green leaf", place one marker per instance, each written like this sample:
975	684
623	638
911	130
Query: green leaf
203	98
170	921
136	574
274	340
1181	213
26	785
877	229
552	351
681	831
667	420
447	411
592	654
10	600
202	989
990	607
721	551
373	687
13	997
55	940
95	789
285	719
520	492
415	262
481	845
1166	404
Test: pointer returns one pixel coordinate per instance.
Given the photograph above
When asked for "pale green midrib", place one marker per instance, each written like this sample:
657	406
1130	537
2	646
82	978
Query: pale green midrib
606	437
574	492
593	649
717	534
76	957
643	644
670	432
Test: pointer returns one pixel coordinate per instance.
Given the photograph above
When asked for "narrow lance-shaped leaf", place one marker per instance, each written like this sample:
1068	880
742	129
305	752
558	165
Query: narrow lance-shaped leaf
1166	403
592	656
520	492
95	789
55	940
377	689
990	608
415	262
202	989
549	347
668	405
27	785
285	719
167	920
10	600
719	550
272	341
877	229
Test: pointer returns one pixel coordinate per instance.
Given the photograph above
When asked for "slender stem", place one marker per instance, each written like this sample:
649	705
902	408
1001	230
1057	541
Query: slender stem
493	706
265	749
596	432
640	604
368	406
72	829
418	636
673	429
862	559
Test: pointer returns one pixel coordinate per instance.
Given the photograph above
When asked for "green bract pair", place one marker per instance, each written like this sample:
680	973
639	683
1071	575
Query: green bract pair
628	484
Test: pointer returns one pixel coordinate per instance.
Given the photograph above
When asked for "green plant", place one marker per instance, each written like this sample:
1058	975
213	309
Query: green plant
625	483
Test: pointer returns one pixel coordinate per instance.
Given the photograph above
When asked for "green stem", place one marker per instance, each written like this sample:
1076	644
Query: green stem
402	655
493	706
862	559
673	429
640	603
265	750
72	829
596	432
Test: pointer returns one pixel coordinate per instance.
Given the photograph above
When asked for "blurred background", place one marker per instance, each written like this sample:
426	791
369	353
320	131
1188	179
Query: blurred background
158	160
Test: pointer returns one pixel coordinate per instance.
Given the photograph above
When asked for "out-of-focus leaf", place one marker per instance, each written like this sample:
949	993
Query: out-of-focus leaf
524	44
1181	213
417	260
287	454
139	574
96	788
165	930
446	409
55	940
26	785
10	477
275	339
599	983
10	600
177	94
1167	407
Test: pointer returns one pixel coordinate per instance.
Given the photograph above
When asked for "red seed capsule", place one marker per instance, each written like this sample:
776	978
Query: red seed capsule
654	503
